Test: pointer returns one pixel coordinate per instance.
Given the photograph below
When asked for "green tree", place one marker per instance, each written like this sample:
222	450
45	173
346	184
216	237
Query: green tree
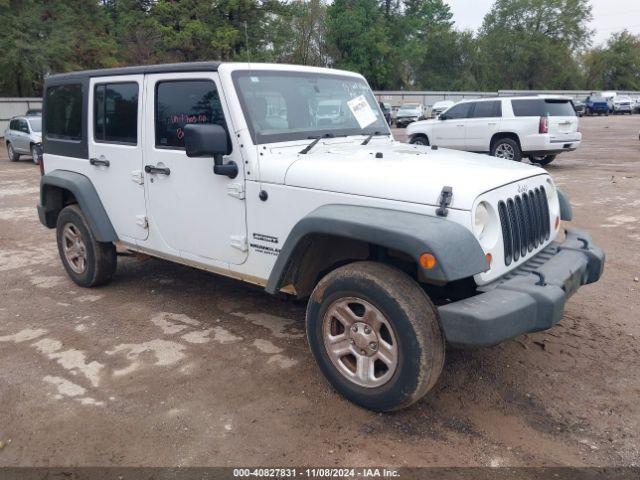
357	36
42	37
615	66
530	44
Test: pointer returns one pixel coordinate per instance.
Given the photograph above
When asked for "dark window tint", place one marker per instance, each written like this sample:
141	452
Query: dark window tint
116	112
487	109
13	125
179	103
458	111
23	127
542	107
559	108
64	112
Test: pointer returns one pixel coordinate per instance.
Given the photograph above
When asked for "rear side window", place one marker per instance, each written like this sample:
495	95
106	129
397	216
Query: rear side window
64	112
115	108
542	107
181	102
13	125
487	109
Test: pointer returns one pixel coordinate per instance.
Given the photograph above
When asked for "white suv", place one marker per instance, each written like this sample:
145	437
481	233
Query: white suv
538	127
234	169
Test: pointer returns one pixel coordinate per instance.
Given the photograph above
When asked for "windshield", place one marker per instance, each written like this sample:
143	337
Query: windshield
282	106
36	124
623	99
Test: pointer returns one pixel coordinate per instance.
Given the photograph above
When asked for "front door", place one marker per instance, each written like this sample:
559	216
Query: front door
115	152
194	212
450	129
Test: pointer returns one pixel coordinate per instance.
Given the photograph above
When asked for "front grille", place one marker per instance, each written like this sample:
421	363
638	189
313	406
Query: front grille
525	223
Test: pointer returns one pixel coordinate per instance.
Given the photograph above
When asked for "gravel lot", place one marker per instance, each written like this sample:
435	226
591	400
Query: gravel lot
172	366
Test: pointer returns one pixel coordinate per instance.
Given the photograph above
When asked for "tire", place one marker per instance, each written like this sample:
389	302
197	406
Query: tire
407	329
543	160
420	140
34	155
506	148
11	153
100	258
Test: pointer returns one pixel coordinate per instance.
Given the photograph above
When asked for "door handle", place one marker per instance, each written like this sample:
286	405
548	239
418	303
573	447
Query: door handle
493	123
158	170
460	125
98	162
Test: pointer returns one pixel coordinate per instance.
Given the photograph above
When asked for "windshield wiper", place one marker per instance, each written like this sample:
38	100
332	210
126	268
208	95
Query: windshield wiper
371	135
306	149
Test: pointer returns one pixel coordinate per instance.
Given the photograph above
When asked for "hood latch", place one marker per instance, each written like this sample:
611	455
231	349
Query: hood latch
444	201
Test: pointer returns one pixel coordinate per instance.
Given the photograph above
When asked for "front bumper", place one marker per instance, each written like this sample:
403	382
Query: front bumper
404	121
523	301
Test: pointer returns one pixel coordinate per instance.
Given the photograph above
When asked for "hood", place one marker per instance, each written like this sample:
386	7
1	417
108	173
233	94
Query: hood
408	173
413	112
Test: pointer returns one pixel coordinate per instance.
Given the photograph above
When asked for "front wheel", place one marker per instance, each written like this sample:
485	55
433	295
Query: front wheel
506	148
88	262
35	156
420	140
375	335
543	160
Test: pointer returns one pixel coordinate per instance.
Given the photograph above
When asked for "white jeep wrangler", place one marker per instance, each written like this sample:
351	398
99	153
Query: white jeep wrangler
234	169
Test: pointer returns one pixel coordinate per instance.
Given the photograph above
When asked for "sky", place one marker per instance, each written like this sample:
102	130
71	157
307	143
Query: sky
609	16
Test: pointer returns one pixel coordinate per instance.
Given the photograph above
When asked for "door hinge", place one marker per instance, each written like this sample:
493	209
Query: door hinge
136	176
239	242
236	190
141	221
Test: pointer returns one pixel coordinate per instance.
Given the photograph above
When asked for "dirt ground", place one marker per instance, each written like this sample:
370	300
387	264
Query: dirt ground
171	366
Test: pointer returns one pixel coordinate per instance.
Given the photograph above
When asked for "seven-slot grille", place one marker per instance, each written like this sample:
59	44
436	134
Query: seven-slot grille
525	223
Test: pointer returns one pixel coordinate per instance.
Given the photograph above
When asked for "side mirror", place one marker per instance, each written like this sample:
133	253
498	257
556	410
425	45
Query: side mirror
209	140
205	140
442	116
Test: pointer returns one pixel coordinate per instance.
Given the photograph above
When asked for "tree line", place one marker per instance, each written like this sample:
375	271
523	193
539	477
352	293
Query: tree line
395	44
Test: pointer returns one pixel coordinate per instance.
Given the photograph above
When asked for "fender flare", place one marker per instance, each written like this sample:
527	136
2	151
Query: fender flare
86	195
566	213
458	253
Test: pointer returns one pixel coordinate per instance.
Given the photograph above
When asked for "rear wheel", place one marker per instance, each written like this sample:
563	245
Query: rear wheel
419	140
88	262
506	148
11	153
374	334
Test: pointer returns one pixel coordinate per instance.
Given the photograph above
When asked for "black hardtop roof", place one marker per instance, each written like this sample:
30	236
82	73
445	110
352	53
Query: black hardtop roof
137	70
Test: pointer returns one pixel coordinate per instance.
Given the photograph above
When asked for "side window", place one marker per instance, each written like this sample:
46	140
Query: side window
13	125
23	126
115	110
459	111
487	109
64	112
180	102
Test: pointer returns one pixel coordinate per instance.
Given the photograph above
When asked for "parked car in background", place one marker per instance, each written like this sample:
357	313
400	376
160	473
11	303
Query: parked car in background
408	113
23	136
596	105
440	107
579	107
538	127
34	112
386	111
636	105
622	104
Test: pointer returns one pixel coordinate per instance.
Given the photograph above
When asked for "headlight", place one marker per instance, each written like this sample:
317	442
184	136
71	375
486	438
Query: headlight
481	219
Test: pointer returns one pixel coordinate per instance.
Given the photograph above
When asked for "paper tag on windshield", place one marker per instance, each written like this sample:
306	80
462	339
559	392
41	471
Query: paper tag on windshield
362	111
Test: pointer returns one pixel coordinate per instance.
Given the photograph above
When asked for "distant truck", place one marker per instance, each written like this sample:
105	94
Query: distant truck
596	105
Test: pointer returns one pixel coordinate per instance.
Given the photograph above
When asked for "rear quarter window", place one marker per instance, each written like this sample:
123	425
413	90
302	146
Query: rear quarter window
64	112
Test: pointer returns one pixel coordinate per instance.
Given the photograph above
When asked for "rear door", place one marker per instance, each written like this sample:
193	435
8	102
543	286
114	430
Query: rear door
484	121
21	143
115	152
450	128
563	121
